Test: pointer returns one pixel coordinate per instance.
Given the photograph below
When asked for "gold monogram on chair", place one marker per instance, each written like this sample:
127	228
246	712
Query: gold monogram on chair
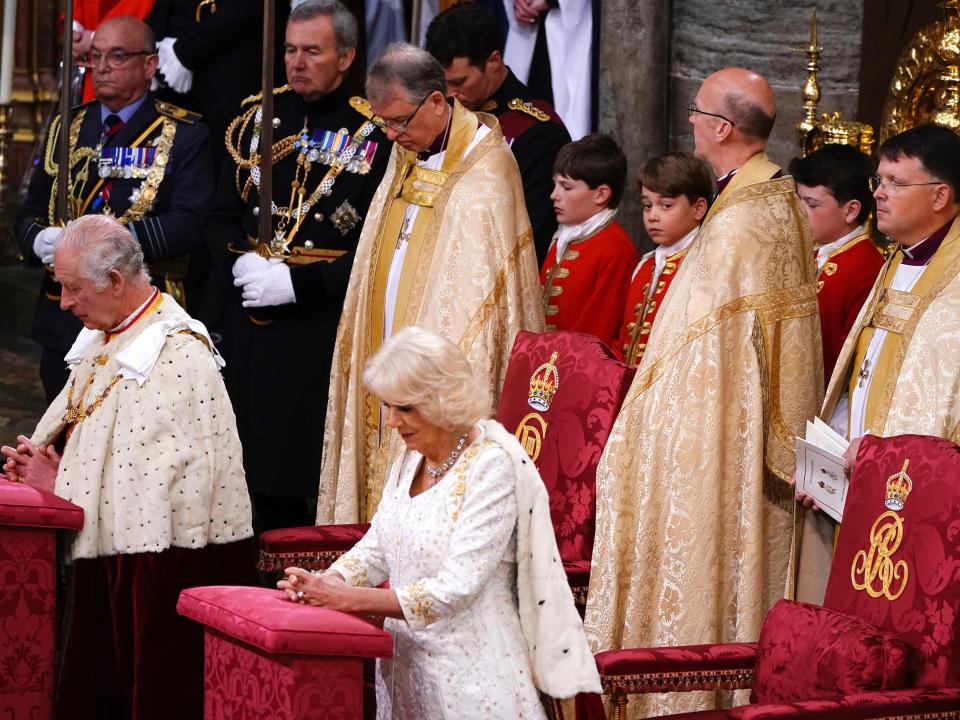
544	384
874	569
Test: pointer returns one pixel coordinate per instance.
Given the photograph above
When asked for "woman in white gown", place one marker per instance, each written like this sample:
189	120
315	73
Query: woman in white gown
476	634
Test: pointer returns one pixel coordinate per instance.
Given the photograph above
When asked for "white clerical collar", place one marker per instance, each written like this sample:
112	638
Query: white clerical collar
824	251
567	234
132	317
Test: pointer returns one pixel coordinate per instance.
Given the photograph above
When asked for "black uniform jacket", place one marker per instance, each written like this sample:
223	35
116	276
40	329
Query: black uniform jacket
278	357
535	137
171	229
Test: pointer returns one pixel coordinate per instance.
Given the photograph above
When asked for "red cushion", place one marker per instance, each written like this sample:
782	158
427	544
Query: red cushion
807	652
804	710
26	506
312	538
580	414
684	658
900	703
922	600
264	619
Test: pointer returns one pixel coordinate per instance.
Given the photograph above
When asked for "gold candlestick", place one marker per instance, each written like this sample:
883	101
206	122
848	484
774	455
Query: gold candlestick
811	88
6	195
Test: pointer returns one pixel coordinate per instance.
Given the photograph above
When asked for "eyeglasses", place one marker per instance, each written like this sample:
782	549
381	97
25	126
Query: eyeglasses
114	58
692	108
892	186
401	125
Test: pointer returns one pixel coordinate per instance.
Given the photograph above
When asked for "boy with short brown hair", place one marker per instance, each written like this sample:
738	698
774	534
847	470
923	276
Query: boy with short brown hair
676	189
586	273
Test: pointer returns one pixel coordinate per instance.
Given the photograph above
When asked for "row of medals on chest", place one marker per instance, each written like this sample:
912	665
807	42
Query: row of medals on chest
339	150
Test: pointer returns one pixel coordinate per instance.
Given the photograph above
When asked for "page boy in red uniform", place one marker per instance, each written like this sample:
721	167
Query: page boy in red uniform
833	185
676	189
586	273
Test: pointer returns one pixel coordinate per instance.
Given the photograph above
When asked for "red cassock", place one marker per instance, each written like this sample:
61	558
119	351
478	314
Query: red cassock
641	307
586	290
842	288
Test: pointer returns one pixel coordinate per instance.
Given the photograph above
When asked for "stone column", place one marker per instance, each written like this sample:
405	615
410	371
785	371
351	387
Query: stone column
634	83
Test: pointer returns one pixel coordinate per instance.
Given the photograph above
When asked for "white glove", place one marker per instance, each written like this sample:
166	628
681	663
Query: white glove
272	287
45	243
177	77
250	264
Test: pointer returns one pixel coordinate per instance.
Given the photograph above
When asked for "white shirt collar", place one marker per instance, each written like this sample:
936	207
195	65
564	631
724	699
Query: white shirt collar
824	251
567	234
663	253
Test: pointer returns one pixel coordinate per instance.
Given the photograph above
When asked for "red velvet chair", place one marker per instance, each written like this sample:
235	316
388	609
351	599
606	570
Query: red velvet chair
29	519
560	397
886	644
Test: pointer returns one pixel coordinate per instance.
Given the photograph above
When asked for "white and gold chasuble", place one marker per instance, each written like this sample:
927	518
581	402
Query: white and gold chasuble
913	380
469	273
157	463
694	511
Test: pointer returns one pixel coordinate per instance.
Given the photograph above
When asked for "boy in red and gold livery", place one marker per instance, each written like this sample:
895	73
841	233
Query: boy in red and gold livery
586	273
676	189
833	185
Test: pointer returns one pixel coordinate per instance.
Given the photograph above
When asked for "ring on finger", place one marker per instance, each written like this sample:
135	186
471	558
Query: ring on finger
300	595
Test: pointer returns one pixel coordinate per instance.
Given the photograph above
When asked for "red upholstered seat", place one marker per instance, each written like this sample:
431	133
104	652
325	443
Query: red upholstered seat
893	594
28	595
560	397
315	547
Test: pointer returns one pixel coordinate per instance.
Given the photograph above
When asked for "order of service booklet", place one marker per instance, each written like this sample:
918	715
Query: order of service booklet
821	469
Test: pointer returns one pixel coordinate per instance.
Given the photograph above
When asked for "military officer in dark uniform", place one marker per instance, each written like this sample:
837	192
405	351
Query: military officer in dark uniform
467	40
328	159
145	162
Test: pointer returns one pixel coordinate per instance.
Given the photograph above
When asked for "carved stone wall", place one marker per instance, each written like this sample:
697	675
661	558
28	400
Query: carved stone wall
761	35
655	54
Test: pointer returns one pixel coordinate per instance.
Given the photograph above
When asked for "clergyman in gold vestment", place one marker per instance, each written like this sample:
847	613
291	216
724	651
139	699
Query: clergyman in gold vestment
899	369
694	507
446	245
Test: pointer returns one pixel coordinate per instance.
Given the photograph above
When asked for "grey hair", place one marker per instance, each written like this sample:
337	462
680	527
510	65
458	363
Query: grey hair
409	68
344	23
420	369
104	245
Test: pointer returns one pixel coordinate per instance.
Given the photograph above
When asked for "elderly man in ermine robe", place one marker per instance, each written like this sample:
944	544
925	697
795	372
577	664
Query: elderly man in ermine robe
899	370
446	245
142	438
694	507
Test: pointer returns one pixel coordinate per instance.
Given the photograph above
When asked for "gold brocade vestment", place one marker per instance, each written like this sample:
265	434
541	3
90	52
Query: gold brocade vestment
915	384
694	512
469	273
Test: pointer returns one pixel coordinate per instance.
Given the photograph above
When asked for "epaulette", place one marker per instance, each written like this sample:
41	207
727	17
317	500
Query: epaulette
256	98
178	113
529	108
488	106
81	106
362	106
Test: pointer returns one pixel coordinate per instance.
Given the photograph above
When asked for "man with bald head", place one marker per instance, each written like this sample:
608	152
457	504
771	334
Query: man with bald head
694	506
144	162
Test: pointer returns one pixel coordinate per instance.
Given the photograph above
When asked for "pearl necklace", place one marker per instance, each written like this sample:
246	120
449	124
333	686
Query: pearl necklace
440	470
